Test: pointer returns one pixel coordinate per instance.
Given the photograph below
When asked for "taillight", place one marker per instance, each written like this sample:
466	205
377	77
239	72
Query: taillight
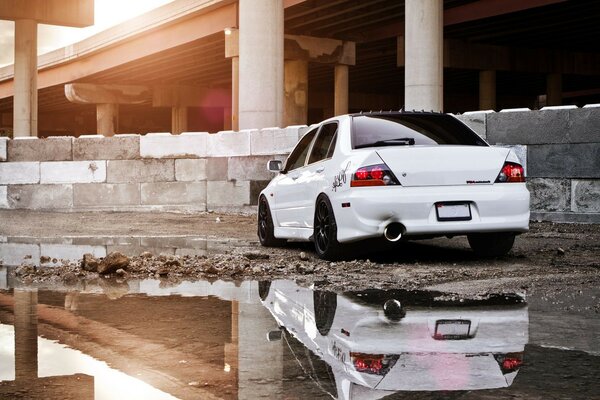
373	175
375	364
511	172
510	362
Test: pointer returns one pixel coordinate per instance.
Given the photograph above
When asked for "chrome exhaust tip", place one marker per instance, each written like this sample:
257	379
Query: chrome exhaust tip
393	232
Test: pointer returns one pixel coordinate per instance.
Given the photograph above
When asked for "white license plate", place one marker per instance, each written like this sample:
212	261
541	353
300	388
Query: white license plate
452	329
453	211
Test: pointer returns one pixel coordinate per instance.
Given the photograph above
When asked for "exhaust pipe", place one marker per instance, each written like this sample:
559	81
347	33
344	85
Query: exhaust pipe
393	232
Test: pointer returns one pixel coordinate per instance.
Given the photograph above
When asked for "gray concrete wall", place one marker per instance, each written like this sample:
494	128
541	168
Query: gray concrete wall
197	171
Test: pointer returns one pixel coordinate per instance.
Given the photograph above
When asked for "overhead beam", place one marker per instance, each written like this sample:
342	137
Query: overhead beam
75	13
89	93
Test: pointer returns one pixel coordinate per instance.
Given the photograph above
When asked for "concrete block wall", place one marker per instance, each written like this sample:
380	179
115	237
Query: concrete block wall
191	172
561	147
197	171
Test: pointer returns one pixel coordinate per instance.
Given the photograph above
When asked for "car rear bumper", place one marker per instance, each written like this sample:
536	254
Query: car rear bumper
494	208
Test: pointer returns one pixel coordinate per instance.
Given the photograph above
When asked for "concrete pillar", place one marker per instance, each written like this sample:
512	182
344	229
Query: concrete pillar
235	93
554	90
107	119
25	79
179	117
424	34
261	63
296	92
26	334
340	98
487	90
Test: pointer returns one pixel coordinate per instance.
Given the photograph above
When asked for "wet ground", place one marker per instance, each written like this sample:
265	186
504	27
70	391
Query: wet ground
145	339
190	314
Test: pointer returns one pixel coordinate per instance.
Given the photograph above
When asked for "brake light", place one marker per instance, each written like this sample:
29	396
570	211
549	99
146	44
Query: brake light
510	362
373	175
374	364
511	172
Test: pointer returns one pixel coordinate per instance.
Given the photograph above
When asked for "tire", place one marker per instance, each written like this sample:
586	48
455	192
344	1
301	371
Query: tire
494	244
263	289
325	304
325	231
265	225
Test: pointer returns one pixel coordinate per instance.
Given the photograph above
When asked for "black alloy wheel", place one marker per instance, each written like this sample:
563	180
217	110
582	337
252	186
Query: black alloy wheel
265	225
325	230
325	304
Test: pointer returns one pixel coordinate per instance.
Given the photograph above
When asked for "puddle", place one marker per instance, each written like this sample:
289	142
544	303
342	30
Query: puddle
17	250
222	340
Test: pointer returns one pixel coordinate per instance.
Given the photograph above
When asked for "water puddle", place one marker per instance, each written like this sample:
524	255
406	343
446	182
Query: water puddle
224	340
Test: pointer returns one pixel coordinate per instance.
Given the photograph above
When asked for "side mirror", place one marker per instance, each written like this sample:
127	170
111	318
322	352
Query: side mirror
274	166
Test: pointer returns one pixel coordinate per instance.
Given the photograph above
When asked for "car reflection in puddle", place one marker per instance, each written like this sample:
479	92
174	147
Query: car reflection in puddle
370	344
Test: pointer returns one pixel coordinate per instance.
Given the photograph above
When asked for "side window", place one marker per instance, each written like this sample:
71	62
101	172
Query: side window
298	156
323	142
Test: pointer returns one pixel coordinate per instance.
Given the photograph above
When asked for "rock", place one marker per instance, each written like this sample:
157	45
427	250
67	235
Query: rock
120	272
257	270
256	256
113	262
163	257
45	259
303	256
211	269
146	254
163	270
69	278
173	263
560	251
89	263
24	270
27	257
217	220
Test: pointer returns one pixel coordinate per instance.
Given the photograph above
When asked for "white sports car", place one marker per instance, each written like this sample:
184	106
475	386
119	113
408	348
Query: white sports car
394	175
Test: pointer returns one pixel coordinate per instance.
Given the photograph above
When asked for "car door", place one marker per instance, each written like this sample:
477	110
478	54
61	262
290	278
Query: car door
314	179
288	194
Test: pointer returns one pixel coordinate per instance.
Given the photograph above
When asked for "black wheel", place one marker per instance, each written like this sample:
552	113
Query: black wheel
325	304
263	289
325	230
265	225
493	244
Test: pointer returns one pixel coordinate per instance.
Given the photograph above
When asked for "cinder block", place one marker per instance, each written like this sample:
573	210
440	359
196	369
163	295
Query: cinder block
580	160
3	145
217	168
251	168
56	148
69	252
131	171
94	147
273	140
14	254
19	172
73	172
106	194
585	195
190	170
228	143
175	193
40	197
227	194
476	121
165	145
549	194
3	197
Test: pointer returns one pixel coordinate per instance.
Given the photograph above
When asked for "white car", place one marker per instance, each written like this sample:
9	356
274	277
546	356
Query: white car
394	175
376	342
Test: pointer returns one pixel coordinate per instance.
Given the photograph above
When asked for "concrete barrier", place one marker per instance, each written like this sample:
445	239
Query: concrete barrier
196	171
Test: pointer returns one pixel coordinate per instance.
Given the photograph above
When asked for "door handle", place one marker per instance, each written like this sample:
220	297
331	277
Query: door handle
320	169
294	177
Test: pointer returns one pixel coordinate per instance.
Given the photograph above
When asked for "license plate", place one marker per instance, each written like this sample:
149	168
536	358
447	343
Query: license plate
453	211
452	329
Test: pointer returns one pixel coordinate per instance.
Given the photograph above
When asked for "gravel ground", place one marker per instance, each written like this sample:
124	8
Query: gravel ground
550	257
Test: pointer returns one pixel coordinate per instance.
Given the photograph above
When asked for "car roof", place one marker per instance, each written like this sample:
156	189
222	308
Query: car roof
399	112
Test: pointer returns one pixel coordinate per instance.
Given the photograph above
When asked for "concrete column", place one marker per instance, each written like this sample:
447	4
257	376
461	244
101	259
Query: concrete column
179	120
340	98
296	92
26	334
107	119
424	31
235	93
554	90
261	63
487	90
25	79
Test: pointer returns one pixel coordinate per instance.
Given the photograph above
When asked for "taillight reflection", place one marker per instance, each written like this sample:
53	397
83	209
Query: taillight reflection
510	362
511	172
375	364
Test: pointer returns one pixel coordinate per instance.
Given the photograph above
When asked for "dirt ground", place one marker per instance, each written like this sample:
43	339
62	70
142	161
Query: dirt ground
550	257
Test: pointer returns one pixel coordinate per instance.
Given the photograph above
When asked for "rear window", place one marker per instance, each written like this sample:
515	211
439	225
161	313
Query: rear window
411	130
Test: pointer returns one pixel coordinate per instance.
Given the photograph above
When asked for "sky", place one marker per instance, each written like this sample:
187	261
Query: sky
106	14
